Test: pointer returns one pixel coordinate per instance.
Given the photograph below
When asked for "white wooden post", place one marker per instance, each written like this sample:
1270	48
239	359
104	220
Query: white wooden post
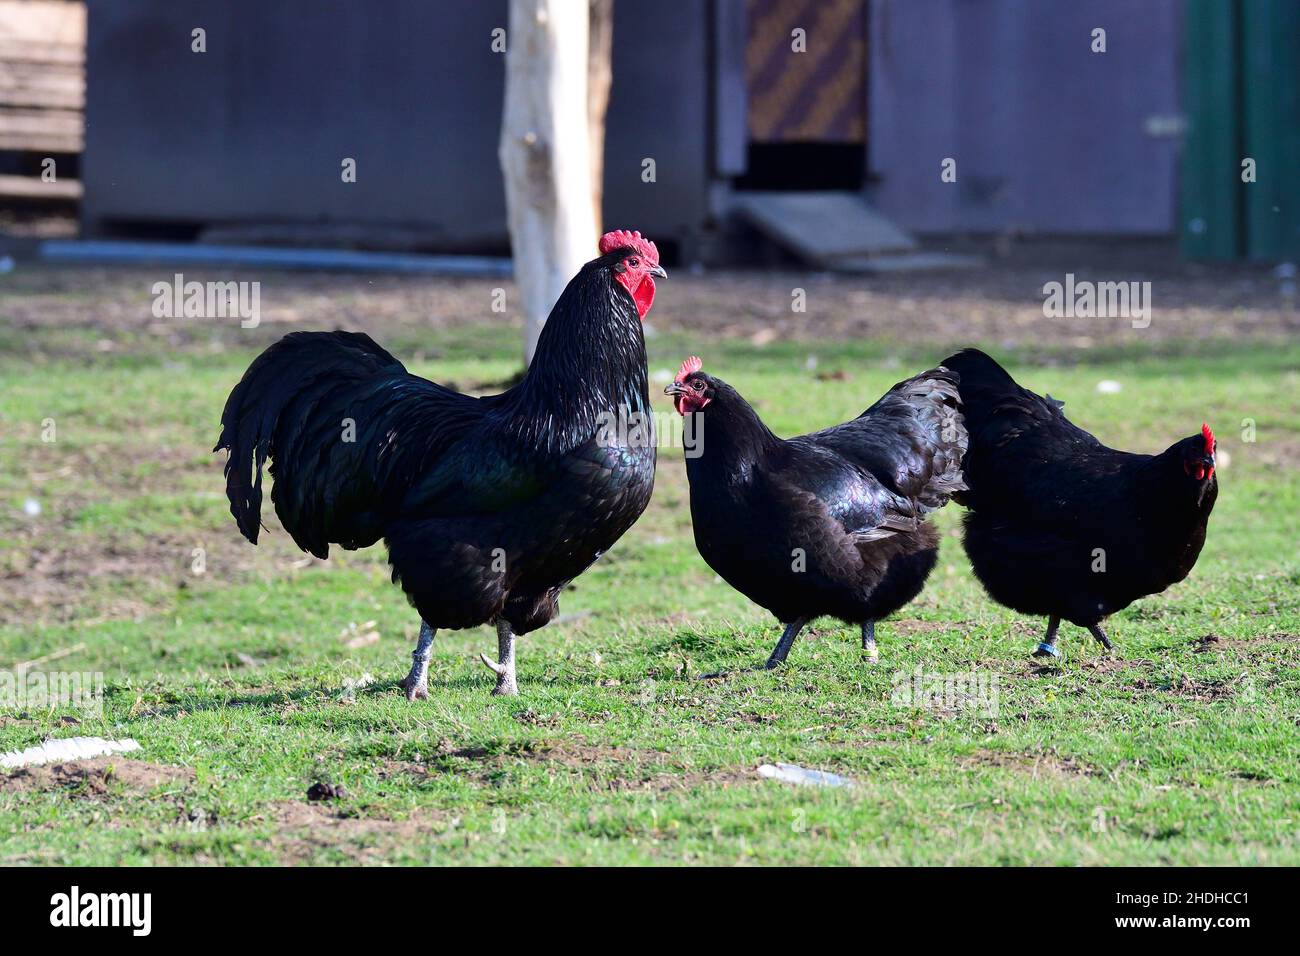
545	153
600	77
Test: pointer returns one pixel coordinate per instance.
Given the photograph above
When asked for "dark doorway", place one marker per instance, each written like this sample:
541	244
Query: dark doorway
802	167
806	92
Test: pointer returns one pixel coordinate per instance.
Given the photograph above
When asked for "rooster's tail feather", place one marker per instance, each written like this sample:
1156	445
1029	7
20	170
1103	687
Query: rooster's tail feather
275	408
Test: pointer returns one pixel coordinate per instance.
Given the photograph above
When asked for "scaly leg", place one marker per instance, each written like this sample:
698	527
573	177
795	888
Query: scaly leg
1099	634
416	683
869	641
1047	646
787	640
505	666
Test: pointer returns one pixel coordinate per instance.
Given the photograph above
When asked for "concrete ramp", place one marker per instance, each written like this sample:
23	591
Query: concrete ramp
841	232
827	229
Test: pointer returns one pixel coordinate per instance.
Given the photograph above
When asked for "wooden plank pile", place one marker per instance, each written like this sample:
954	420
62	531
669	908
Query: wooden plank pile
42	93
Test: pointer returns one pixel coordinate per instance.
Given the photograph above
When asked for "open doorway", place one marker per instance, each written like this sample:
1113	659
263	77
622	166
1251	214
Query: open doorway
806	92
805	137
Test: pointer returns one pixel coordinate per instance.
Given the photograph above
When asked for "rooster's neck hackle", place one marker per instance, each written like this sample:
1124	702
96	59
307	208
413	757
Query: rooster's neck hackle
590	363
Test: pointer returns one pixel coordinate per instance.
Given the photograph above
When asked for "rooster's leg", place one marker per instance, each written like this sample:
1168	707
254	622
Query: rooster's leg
869	641
1100	635
416	683
787	639
505	666
1047	646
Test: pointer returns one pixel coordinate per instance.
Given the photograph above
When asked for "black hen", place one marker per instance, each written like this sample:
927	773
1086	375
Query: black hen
489	506
1063	526
831	523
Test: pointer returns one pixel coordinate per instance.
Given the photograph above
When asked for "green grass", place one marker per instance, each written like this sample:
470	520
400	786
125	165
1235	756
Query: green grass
1176	751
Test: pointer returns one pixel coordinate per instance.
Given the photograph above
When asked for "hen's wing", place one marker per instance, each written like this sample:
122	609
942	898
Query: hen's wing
912	440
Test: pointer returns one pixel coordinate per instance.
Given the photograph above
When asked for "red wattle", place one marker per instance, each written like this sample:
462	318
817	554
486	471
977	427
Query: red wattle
644	296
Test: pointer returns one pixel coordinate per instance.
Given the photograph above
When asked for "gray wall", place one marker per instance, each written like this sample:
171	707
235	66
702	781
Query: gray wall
1047	135
255	129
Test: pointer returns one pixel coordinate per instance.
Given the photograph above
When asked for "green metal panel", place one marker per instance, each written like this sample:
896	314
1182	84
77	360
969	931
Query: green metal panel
1270	45
1211	208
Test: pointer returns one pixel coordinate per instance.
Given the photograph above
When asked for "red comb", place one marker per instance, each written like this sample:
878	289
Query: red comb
1209	438
621	238
690	367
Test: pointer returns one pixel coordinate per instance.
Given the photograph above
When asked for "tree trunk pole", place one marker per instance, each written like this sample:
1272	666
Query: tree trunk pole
600	76
545	153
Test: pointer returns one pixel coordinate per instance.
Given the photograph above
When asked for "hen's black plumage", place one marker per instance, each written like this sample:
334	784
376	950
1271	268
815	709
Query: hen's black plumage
1050	506
489	506
831	523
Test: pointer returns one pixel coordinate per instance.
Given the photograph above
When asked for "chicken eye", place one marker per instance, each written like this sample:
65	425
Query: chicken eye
633	263
697	385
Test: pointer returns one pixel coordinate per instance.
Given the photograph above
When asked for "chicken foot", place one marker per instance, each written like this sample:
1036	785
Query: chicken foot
416	683
1096	631
1047	646
869	641
787	641
504	667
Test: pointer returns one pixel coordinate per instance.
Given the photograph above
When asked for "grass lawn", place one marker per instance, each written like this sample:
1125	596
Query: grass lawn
267	672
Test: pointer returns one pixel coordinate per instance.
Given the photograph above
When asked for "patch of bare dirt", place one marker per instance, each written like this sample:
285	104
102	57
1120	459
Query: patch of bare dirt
1109	664
1186	687
1100	665
57	576
1207	643
603	767
345	818
1044	764
1279	452
1216	643
1001	302
304	830
120	307
95	778
56	582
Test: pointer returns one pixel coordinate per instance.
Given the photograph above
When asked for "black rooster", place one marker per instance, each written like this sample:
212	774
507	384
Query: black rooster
830	523
489	506
1063	526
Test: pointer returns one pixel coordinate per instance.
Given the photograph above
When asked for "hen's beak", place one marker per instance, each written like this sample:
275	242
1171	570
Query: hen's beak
1202	468
676	388
657	272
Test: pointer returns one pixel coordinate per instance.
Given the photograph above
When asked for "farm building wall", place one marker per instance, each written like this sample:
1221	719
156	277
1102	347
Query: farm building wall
255	129
1048	135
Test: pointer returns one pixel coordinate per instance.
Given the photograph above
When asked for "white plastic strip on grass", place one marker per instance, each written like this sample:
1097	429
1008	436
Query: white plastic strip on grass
789	773
69	748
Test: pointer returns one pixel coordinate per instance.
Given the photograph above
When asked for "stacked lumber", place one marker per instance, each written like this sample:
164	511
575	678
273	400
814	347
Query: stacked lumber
42	76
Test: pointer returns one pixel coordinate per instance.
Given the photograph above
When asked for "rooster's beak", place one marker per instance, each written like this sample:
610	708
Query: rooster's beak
657	272
676	388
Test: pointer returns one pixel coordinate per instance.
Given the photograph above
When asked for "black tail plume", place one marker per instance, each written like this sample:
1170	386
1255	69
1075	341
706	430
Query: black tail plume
298	370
